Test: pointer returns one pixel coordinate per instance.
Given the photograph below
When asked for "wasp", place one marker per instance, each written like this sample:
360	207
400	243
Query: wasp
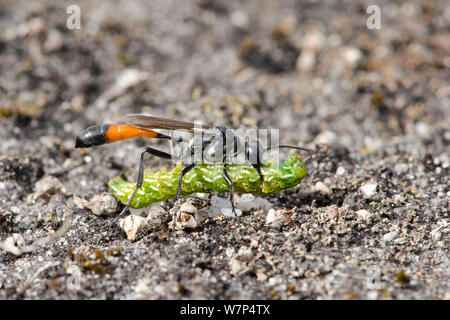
211	142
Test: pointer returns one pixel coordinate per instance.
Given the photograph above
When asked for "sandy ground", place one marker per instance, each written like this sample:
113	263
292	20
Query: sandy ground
371	218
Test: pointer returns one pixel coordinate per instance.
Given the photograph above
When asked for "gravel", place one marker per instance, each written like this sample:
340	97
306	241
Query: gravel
369	221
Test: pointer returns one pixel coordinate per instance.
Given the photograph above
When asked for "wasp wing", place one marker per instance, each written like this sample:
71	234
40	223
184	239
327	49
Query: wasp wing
149	121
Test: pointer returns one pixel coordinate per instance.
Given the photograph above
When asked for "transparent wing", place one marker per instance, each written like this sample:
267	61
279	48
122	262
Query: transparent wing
152	122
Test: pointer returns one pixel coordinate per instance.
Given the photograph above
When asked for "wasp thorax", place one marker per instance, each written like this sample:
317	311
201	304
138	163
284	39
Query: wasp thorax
253	151
213	153
180	136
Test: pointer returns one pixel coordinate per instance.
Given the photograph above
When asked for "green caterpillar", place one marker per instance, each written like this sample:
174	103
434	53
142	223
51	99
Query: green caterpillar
162	185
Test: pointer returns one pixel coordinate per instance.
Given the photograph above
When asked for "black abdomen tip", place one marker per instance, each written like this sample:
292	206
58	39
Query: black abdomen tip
92	136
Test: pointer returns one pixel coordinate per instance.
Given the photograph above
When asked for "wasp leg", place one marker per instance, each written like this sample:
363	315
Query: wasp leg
228	180
140	179
183	172
258	168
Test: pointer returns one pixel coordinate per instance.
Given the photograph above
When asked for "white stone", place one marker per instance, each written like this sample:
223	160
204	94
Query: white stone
54	41
363	214
423	130
369	189
372	295
46	186
388	237
351	55
132	225
250	202
277	218
340	171
222	206
322	188
189	216
239	19
326	137
401	168
103	204
245	253
313	40
306	60
188	207
156	217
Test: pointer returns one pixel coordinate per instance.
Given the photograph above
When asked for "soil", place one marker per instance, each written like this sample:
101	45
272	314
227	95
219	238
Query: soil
372	214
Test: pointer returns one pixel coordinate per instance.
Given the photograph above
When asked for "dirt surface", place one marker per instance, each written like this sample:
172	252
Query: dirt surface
371	218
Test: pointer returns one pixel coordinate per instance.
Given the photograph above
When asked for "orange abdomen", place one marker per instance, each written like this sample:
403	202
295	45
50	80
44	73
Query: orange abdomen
118	132
101	134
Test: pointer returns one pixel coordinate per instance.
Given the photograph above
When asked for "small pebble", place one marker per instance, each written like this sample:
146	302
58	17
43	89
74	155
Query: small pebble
423	130
222	206
322	188
185	217
132	225
340	171
351	56
239	262
326	137
363	214
157	216
401	168
45	187
372	295
80	203
313	40
306	60
245	253
9	245
447	133
237	266
277	218
142	286
369	189
103	204
437	235
189	216
13	244
388	237
249	202
54	41
36	26
125	79
239	19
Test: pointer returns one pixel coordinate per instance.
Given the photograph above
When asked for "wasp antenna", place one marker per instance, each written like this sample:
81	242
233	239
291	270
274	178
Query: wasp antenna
290	147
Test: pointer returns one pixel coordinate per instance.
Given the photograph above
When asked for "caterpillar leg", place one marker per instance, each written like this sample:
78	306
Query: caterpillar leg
140	179
183	172
228	180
